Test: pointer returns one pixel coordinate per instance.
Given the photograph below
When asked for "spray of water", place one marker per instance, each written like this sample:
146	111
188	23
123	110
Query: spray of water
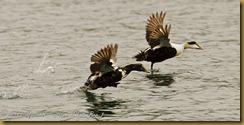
14	93
47	65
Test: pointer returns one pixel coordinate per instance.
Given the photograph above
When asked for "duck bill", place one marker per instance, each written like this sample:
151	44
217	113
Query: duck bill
199	47
145	69
84	88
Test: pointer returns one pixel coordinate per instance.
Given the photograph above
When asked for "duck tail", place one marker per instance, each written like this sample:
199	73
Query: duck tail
141	56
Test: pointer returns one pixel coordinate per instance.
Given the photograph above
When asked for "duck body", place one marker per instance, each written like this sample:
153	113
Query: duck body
109	79
157	55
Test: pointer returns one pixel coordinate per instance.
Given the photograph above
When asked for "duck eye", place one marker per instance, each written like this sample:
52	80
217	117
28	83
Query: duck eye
192	42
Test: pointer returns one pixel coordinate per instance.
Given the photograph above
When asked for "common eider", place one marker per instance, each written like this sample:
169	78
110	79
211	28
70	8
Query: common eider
104	72
157	36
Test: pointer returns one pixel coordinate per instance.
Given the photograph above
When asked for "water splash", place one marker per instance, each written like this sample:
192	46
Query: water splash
68	90
47	65
15	93
10	95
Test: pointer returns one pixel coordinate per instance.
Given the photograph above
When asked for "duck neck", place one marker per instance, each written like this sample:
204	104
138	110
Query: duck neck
179	48
130	67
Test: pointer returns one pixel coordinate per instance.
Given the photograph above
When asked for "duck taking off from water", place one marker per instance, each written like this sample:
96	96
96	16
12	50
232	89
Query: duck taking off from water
157	36
104	72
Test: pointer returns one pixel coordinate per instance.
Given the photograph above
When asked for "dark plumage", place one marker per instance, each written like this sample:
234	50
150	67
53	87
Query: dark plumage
156	55
157	36
104	72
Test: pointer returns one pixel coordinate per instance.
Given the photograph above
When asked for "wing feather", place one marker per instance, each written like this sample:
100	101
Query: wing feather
156	32
103	59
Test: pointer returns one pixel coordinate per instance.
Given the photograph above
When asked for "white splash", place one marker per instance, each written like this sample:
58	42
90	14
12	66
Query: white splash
14	93
47	65
66	90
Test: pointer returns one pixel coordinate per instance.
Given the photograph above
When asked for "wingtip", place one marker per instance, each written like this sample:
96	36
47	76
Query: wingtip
108	52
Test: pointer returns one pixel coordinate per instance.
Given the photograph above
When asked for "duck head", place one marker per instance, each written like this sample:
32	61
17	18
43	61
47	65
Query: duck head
192	45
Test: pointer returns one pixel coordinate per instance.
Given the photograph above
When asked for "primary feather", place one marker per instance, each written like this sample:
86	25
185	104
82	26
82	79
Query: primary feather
156	33
104	59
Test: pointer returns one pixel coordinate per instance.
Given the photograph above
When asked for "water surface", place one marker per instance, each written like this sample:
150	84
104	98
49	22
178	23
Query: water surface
45	56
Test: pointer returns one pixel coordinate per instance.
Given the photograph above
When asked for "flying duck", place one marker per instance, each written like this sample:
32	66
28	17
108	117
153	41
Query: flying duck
157	36
104	72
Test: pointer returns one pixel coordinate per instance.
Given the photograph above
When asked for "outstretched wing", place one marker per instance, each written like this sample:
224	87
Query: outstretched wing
156	33
104	59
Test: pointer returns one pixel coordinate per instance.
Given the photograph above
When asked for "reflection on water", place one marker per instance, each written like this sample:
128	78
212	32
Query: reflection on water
100	106
161	79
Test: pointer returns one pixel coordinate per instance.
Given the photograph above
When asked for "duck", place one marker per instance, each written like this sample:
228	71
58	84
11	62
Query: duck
104	72
160	48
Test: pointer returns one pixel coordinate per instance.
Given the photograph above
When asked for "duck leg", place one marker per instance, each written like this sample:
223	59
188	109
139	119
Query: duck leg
152	68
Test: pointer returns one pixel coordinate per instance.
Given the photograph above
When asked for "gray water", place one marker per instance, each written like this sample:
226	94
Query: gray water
46	47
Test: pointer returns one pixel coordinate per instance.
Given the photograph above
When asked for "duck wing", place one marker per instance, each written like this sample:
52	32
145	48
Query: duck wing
156	33
104	59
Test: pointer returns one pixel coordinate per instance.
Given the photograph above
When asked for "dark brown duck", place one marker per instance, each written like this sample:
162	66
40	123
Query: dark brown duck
104	72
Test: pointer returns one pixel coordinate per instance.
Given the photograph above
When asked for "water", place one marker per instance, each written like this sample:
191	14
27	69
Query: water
45	56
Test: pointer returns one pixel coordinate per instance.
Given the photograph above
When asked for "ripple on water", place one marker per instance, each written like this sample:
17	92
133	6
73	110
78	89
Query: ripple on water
10	95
